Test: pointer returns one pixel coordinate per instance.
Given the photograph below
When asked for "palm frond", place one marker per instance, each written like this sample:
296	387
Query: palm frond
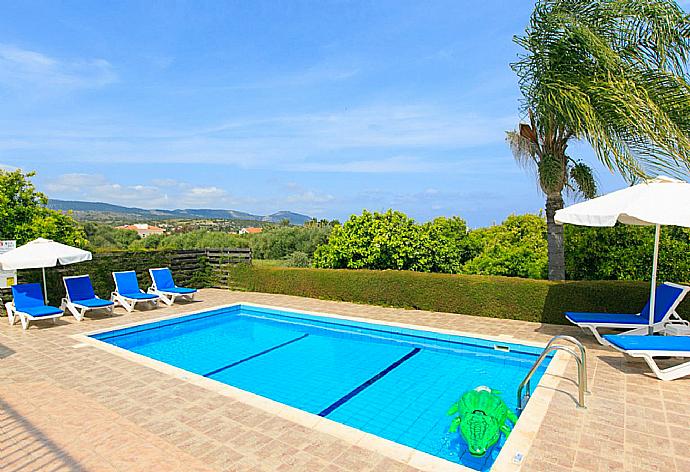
614	73
524	149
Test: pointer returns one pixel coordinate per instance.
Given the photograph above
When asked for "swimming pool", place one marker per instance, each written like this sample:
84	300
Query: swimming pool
396	383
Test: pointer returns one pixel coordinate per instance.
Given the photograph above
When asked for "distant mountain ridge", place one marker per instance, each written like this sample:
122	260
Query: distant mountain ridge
84	208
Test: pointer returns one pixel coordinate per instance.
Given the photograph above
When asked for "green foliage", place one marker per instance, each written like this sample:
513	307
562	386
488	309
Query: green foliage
275	242
374	241
516	248
298	259
198	239
203	276
280	242
625	252
269	262
612	72
497	297
446	241
391	240
24	215
104	237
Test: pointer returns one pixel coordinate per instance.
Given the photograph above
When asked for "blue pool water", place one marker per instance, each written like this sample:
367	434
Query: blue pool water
392	382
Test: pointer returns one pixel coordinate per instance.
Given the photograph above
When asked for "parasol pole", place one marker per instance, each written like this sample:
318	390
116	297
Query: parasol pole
652	295
45	289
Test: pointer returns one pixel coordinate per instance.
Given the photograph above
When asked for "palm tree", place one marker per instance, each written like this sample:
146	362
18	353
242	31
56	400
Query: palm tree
608	72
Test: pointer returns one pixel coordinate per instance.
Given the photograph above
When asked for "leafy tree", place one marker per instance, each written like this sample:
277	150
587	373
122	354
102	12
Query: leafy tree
298	259
25	217
612	73
192	240
447	244
387	240
624	252
105	237
391	240
515	248
280	242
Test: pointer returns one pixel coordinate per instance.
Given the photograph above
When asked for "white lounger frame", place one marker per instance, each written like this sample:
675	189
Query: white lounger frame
167	297
77	310
670	373
672	317
129	303
25	318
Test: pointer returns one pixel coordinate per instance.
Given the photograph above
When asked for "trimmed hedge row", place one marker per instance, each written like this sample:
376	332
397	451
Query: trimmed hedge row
491	296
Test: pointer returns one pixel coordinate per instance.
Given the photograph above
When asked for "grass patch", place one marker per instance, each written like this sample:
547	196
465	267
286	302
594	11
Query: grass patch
264	263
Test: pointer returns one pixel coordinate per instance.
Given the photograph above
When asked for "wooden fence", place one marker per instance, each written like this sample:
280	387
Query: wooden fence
189	262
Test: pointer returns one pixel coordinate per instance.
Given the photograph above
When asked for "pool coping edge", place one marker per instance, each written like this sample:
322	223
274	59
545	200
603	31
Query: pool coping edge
519	441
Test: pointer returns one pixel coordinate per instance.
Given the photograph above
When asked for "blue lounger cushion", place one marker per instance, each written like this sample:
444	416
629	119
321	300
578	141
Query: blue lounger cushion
94	303
179	290
28	298
613	318
38	311
139	296
666	296
649	343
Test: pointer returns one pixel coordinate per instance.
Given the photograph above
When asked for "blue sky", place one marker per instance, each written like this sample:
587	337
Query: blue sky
320	107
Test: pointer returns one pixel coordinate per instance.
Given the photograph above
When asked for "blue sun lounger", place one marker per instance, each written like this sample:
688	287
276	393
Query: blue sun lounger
80	297
649	347
164	286
28	305
668	297
127	292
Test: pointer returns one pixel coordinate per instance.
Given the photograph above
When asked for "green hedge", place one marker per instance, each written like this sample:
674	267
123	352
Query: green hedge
491	296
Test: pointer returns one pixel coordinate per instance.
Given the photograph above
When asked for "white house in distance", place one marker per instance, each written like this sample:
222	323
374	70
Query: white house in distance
143	229
250	230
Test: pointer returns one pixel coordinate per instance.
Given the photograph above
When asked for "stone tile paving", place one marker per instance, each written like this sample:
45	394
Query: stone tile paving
83	409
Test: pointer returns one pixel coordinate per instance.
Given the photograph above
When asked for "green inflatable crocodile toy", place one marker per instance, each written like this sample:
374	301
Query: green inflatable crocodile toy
482	416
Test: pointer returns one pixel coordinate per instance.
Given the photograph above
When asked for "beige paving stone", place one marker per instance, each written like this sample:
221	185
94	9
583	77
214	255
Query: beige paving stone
84	409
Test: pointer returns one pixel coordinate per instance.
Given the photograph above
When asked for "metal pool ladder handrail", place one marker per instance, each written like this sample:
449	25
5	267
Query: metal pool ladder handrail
581	370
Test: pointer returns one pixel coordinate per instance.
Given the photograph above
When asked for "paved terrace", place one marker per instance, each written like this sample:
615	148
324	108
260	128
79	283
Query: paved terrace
84	409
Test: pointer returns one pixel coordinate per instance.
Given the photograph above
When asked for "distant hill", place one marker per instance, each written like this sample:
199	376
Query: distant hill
100	211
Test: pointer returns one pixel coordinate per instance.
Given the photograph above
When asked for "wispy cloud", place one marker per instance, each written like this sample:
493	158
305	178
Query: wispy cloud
170	194
373	139
23	67
96	187
394	164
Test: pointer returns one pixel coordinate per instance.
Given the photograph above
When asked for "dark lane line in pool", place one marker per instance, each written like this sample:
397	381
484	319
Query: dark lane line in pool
342	400
266	351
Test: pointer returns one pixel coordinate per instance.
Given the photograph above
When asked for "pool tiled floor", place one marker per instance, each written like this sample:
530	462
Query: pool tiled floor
80	408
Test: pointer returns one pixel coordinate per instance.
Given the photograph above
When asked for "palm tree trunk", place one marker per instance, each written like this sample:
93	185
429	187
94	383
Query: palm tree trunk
554	238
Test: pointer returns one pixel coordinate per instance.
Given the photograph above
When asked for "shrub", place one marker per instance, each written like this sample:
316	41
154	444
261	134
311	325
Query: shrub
374	241
199	239
490	296
391	240
515	248
298	259
282	241
625	252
